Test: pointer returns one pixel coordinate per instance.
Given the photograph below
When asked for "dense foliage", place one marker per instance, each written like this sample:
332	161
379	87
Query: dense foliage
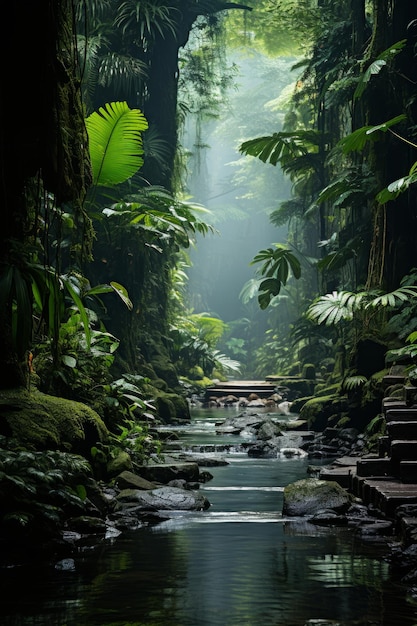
348	146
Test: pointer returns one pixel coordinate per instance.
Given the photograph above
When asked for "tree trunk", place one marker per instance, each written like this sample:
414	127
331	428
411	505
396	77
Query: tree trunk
395	225
43	144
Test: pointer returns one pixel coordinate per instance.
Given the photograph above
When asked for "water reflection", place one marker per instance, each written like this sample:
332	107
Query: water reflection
240	563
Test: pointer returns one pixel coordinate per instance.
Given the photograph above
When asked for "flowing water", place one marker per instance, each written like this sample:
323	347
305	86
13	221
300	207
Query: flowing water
240	563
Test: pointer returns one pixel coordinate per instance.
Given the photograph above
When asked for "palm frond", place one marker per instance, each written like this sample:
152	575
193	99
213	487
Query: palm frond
115	138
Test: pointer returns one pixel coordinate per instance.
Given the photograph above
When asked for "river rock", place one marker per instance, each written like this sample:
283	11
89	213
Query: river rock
328	518
129	480
166	499
87	525
164	472
268	430
234	425
311	495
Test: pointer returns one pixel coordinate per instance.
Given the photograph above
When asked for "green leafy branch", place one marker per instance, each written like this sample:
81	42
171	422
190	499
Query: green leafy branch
278	263
339	306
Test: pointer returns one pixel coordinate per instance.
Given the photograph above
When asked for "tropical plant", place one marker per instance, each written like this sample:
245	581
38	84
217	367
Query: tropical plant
75	369
278	262
127	396
358	315
357	140
115	143
135	438
29	288
39	490
331	309
194	342
274	355
311	342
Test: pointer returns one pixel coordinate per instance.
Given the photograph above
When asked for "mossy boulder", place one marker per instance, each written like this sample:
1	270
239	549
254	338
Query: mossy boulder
43	422
164	369
311	495
318	410
171	407
309	371
120	463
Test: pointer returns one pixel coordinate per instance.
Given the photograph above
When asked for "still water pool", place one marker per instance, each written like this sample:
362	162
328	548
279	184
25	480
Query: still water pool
238	564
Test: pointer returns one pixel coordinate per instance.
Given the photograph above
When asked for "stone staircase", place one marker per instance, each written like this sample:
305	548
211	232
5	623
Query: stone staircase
239	388
387	479
390	479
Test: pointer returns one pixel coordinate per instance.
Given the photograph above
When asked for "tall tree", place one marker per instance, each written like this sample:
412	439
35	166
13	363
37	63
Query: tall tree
43	152
391	93
138	46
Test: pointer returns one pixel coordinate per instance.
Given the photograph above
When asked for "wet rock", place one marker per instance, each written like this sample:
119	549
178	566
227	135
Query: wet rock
129	480
87	525
130	516
410	578
262	450
404	561
285	407
234	425
206	461
164	472
166	498
255	403
65	565
328	518
205	477
377	528
311	495
268	430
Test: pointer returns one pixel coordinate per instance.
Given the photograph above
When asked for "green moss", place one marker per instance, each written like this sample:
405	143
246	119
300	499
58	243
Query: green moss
171	407
164	369
317	411
41	422
327	390
309	371
196	373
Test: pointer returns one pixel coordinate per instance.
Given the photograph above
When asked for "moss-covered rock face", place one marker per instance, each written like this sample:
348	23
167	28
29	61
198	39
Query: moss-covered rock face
42	422
171	407
297	387
317	411
164	369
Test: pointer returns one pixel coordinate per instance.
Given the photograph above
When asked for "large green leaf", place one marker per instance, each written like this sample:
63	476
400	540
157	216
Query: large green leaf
376	66
358	139
281	147
115	141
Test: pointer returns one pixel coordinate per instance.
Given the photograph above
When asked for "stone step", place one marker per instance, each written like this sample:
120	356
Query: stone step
385	494
408	472
341	475
393	403
407	529
393	379
240	388
374	467
403	450
406	414
367	488
388	501
402	429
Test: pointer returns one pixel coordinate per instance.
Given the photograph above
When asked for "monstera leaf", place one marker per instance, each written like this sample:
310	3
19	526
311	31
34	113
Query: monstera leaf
115	141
